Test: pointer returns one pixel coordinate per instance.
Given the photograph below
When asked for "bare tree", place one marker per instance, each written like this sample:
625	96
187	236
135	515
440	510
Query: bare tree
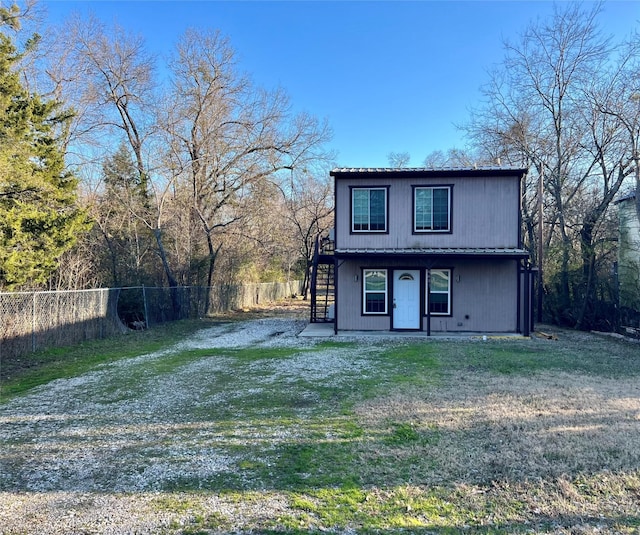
226	136
308	202
110	77
206	147
619	97
451	158
614	108
544	109
399	159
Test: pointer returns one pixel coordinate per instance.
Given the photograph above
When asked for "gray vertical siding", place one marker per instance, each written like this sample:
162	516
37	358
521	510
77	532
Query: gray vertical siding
485	213
484	295
487	293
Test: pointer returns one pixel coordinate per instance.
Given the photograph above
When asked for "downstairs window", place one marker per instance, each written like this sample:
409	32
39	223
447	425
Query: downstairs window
374	291
439	295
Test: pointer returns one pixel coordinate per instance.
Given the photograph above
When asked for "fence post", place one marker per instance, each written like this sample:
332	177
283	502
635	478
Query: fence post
102	317
33	323
146	312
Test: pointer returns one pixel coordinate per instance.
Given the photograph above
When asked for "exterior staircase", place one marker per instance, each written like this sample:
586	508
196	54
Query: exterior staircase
323	289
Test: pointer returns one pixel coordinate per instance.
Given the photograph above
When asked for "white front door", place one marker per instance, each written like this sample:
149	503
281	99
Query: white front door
406	299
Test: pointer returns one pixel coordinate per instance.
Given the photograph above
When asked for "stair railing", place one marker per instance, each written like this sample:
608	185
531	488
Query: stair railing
314	279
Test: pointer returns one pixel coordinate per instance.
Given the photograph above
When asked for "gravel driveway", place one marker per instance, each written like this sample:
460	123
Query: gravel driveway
93	454
244	425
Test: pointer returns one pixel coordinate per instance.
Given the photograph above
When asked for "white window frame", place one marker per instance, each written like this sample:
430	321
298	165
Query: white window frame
353	211
365	292
415	209
429	291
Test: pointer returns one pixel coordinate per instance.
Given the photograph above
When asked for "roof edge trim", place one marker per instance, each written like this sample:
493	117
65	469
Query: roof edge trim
387	172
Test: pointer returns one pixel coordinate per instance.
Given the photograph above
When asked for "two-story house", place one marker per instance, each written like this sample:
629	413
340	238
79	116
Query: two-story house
435	250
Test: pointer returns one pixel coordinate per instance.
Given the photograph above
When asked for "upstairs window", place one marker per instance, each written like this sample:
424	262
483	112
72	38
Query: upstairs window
369	209
432	209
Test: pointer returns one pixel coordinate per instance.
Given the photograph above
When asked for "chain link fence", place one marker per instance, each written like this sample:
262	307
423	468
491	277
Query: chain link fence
32	321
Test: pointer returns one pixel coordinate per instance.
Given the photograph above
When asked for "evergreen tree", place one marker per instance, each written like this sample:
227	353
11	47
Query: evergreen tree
127	239
39	216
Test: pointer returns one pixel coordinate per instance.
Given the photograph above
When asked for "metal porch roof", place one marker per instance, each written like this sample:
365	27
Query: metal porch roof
432	251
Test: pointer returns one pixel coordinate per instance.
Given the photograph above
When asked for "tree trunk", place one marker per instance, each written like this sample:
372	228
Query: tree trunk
305	282
637	162
564	297
213	255
113	258
173	283
588	260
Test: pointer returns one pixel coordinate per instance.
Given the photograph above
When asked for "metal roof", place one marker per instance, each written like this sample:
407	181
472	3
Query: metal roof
428	171
431	251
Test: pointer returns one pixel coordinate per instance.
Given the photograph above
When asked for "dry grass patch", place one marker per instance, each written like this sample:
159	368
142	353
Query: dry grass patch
551	453
486	428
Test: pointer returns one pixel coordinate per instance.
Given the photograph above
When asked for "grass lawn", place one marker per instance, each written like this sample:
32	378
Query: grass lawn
241	426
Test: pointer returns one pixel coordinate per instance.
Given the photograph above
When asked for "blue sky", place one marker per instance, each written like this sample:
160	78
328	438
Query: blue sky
388	76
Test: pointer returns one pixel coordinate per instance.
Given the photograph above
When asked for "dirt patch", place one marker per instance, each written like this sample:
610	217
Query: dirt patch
295	308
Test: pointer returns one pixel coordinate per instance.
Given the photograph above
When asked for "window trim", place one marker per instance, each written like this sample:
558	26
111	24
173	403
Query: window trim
449	229
365	292
428	291
386	209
